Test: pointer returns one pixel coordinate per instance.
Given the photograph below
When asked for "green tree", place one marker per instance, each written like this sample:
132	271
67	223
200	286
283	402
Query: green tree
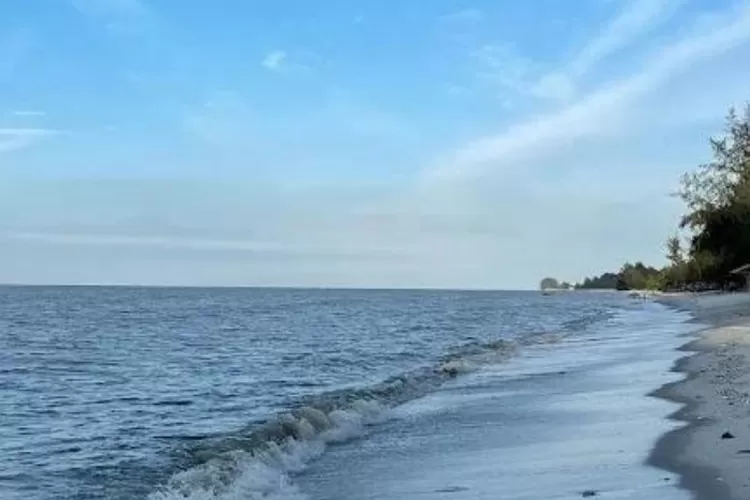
656	282
607	281
676	272
717	196
548	283
702	267
674	251
717	185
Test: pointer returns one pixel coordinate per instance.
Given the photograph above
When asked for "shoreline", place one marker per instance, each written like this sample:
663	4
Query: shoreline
568	420
714	398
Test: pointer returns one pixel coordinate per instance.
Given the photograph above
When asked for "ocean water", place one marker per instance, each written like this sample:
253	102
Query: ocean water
163	394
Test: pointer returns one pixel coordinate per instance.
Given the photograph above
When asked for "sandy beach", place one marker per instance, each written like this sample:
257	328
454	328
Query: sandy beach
712	452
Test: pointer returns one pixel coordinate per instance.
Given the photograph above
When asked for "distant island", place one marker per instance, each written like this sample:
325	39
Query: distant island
553	284
711	249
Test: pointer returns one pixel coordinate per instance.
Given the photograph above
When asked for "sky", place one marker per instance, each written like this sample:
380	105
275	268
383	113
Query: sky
377	143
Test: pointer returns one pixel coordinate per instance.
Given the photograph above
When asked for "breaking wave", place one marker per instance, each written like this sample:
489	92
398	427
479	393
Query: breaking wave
259	461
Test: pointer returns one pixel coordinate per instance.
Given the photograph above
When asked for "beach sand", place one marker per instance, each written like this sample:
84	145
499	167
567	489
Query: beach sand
712	453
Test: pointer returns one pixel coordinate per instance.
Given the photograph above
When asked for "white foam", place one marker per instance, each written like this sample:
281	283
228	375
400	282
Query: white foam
265	473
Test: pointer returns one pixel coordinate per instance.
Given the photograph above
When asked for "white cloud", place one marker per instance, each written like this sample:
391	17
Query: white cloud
317	238
274	60
455	90
207	244
636	18
28	113
504	69
554	86
12	139
455	234
603	111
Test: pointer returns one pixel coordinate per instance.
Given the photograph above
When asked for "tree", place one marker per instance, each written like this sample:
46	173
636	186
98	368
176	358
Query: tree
656	282
607	281
674	251
637	276
717	199
717	196
548	283
702	266
724	181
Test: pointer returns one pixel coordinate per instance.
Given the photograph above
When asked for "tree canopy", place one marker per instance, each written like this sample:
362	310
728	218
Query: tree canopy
717	197
548	283
606	281
630	277
716	222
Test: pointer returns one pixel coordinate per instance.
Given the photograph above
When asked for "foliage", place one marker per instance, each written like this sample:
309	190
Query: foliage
631	277
548	283
675	255
715	187
607	281
655	282
717	219
717	196
638	276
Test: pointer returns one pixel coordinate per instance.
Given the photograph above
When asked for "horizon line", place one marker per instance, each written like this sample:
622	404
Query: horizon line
262	287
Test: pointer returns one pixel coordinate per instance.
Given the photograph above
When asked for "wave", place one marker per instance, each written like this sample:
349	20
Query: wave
258	466
258	462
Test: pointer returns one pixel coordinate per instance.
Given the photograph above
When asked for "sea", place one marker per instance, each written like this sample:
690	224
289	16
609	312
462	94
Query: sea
280	394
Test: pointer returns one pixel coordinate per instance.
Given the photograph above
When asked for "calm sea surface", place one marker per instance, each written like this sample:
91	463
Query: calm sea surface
177	393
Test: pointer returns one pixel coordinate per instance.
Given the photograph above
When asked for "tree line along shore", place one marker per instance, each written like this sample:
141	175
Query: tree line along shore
712	242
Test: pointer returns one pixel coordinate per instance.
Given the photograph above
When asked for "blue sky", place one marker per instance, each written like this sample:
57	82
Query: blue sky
372	143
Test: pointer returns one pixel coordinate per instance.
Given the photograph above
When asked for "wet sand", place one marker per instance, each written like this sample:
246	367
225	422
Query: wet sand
711	453
562	421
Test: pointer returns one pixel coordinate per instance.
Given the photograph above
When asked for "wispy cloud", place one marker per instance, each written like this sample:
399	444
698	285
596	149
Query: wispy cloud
274	60
601	111
280	61
279	248
28	113
635	19
12	139
504	69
